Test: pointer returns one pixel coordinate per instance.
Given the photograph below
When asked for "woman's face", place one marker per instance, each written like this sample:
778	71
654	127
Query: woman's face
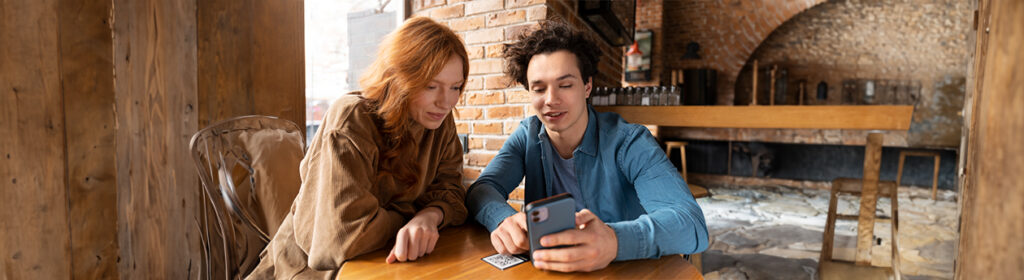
430	106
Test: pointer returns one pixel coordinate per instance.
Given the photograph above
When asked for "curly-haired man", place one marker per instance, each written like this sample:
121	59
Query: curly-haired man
631	201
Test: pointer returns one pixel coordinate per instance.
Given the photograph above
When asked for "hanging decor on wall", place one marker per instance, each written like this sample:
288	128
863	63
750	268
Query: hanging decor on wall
638	57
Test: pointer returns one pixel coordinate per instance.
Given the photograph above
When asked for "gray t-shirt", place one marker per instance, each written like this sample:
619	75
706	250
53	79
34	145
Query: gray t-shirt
565	179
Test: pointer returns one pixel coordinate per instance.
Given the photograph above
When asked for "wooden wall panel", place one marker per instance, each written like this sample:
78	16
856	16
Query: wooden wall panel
992	207
34	234
224	59
278	73
155	87
251	60
86	50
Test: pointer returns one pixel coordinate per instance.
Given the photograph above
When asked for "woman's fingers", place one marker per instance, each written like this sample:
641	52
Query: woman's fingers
413	245
401	252
391	256
424	242
433	242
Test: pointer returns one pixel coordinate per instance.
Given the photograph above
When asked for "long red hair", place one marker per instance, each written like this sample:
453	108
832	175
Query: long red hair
408	59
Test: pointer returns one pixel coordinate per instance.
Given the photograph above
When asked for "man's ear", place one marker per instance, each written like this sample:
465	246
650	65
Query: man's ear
588	86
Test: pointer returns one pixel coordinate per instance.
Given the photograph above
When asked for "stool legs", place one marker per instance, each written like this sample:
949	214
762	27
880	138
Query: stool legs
682	160
935	177
935	171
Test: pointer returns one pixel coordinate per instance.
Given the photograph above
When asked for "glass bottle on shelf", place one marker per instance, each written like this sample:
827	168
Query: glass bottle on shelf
627	92
676	95
611	96
663	96
645	98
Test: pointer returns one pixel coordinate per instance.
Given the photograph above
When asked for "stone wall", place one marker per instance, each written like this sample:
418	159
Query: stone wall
918	43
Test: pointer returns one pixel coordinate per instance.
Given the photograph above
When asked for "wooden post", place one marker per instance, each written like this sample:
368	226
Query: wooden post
771	90
935	177
802	84
753	93
728	161
868	199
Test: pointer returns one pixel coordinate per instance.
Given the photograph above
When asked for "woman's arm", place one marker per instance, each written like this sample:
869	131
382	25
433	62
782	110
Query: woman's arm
336	215
445	191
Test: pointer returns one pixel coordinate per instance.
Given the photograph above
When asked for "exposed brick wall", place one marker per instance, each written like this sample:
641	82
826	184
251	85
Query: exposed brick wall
492	107
727	31
649	16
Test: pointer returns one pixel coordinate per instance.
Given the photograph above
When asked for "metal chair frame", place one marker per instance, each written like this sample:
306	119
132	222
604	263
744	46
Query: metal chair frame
216	156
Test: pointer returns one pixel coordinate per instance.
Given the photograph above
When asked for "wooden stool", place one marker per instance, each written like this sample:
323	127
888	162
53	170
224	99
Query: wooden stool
829	268
698	191
935	173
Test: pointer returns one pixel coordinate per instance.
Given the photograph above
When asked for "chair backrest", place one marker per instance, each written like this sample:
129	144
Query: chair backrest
249	168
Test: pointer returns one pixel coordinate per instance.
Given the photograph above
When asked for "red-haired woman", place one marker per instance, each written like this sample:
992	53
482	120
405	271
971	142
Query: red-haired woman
386	163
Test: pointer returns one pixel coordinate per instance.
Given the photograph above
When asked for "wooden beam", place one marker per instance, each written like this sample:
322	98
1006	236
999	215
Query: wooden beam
880	117
251	60
87	75
156	95
868	199
771	89
802	85
34	238
753	91
991	198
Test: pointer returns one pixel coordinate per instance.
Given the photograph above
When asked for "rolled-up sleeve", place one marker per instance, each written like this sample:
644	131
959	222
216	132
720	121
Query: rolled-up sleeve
487	197
674	223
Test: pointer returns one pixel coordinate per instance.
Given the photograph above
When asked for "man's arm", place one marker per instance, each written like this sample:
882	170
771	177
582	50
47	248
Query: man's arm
486	198
674	223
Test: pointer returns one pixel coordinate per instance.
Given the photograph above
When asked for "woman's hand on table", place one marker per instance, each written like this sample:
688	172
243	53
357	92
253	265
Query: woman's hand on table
418	237
510	236
594	246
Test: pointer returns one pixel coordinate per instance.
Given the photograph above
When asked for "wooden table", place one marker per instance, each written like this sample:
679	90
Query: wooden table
848	117
459	252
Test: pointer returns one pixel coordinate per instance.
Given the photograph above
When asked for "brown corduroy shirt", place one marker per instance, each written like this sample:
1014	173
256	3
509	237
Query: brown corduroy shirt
343	209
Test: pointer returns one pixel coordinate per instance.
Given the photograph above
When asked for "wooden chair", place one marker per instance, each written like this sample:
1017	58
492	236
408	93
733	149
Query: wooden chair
249	169
829	268
698	191
935	173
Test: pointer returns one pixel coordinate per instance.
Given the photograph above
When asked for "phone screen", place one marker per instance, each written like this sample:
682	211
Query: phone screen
547	216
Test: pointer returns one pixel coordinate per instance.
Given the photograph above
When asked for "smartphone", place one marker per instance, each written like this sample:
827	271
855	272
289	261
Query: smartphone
547	216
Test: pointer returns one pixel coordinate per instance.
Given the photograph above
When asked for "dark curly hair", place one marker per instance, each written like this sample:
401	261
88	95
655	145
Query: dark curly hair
553	35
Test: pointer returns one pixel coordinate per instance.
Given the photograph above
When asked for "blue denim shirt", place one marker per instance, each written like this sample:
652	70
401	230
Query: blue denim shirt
624	176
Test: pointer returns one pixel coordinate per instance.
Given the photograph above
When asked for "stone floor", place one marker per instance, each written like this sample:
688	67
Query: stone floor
776	232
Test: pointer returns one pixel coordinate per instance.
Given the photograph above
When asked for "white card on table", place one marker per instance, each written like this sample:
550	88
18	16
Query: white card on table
504	261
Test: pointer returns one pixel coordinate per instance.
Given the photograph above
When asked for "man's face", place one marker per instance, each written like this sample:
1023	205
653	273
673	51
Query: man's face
559	92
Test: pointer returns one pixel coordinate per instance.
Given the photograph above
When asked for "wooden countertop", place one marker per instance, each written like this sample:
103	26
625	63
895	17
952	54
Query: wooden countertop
853	117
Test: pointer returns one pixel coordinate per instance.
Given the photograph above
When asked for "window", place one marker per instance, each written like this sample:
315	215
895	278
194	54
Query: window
341	41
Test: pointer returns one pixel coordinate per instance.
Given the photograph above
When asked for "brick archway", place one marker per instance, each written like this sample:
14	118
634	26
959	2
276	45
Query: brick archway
728	31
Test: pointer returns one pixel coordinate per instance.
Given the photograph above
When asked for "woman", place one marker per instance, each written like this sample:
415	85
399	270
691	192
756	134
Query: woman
386	163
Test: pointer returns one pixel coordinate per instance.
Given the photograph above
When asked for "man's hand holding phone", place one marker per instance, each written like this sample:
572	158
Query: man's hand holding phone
593	246
510	236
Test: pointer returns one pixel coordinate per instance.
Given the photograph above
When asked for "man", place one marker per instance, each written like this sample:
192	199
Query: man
631	201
